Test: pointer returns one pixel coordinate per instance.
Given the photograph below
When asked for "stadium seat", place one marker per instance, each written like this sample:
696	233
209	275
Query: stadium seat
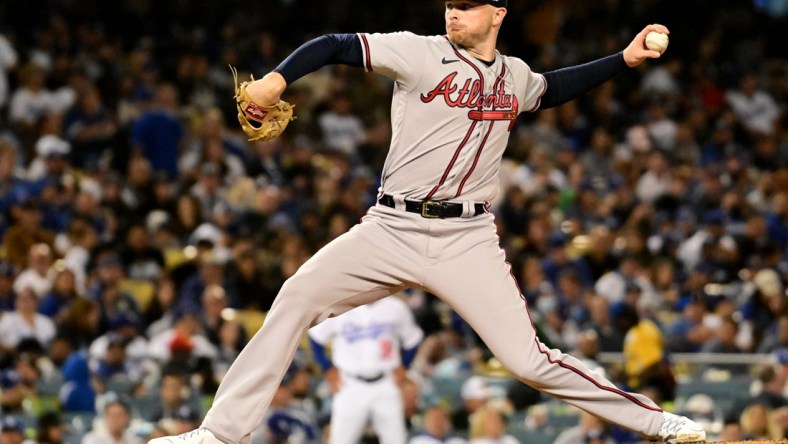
142	291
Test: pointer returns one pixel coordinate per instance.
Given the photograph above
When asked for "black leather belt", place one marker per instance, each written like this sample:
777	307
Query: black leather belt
369	379
432	209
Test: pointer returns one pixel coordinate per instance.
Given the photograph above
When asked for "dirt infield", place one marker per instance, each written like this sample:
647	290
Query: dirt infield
745	442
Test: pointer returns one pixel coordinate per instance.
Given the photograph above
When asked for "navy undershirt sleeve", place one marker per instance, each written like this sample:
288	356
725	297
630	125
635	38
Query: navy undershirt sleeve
319	355
408	354
326	50
568	83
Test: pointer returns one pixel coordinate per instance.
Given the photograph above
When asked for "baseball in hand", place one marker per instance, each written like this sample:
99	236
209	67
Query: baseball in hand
657	41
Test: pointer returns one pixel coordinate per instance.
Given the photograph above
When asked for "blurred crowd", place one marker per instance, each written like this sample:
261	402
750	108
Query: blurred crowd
143	238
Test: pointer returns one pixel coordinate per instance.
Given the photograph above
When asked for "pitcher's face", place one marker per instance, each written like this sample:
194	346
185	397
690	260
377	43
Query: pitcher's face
469	22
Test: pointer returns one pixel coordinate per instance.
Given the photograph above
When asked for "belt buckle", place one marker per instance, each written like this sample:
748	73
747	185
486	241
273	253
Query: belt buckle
428	205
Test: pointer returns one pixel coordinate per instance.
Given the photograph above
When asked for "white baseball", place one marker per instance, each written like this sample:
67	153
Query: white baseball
657	41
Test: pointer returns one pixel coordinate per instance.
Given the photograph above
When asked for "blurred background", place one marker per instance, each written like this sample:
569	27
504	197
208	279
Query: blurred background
144	239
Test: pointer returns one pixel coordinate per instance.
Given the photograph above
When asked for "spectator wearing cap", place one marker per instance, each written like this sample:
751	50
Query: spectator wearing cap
25	322
687	333
172	394
184	338
288	420
12	431
210	271
7	293
125	329
558	259
475	393
142	260
114	371
107	291
27	230
51	161
158	133
185	417
90	127
116	420
63	293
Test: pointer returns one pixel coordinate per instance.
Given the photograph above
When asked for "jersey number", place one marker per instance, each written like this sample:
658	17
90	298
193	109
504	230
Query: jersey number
386	349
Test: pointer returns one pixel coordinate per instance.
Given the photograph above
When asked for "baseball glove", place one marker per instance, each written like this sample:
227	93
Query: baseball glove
260	122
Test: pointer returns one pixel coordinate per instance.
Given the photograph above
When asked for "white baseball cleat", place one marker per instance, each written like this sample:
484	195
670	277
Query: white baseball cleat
198	436
677	429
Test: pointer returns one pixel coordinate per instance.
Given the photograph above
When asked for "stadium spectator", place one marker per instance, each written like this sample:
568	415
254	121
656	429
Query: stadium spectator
488	426
158	133
51	429
437	428
116	419
39	274
173	393
183	340
12	431
90	128
63	294
78	393
475	393
81	323
108	291
19	383
7	293
754	107
25	322
681	164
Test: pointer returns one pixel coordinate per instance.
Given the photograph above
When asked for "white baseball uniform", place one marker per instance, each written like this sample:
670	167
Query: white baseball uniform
451	117
365	348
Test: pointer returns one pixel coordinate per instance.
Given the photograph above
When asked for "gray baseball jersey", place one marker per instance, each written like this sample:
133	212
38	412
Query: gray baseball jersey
451	118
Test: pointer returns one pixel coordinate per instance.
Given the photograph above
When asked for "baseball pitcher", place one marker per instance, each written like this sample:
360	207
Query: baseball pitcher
455	101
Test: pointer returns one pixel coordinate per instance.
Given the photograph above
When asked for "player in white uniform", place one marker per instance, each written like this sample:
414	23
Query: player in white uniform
455	101
368	344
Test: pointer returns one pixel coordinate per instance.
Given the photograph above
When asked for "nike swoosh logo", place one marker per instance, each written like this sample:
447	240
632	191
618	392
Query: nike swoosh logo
446	62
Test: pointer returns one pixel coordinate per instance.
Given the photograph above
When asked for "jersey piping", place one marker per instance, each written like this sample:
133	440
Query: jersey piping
467	136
